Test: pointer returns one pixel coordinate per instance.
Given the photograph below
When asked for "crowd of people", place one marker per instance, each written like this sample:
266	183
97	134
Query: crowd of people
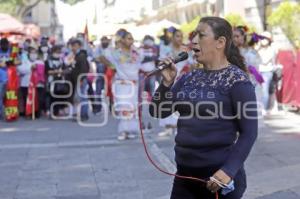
260	57
59	81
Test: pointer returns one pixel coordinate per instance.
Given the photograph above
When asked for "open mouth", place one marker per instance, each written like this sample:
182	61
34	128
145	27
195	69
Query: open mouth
196	50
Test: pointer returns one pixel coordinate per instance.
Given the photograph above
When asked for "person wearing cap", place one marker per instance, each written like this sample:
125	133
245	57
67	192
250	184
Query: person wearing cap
101	52
267	68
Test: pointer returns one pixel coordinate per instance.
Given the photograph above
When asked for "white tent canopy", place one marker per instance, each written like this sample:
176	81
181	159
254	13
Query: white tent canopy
152	29
8	24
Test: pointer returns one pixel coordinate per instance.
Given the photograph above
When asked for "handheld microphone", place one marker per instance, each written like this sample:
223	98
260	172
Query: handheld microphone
180	57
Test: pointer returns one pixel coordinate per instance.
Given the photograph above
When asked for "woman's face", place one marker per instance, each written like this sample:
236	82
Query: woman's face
56	54
178	38
33	55
128	41
204	44
238	38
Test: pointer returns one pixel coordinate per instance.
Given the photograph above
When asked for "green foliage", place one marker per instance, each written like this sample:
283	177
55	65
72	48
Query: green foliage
191	26
237	20
7	7
71	2
287	17
19	8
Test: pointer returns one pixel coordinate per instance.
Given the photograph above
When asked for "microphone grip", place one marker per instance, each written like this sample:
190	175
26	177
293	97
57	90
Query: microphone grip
180	57
158	69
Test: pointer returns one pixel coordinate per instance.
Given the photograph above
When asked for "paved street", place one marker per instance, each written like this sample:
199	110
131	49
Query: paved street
47	159
274	163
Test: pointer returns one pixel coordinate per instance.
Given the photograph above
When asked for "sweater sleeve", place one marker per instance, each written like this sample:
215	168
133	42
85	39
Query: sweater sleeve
245	108
163	98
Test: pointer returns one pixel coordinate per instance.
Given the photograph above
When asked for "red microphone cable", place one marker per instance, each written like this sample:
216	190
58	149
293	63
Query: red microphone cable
149	156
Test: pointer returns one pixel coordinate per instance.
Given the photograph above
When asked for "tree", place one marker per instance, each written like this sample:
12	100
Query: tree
20	8
237	20
191	26
287	17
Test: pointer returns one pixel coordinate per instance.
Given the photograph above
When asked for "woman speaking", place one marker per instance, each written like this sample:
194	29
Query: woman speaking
217	126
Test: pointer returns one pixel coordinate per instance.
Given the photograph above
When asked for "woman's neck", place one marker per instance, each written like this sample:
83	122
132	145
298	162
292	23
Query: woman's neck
176	46
217	64
125	48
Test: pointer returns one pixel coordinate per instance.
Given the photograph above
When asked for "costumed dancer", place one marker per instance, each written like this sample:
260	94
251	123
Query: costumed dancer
246	42
126	61
268	68
9	81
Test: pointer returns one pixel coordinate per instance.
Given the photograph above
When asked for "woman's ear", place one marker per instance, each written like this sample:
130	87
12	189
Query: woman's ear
221	42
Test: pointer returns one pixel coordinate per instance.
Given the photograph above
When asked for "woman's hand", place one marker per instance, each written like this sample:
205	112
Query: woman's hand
221	176
70	59
169	73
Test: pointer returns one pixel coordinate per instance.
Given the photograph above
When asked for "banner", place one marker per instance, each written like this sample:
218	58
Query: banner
31	101
11	102
11	96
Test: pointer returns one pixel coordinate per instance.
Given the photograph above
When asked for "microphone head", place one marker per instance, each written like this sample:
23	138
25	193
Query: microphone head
181	57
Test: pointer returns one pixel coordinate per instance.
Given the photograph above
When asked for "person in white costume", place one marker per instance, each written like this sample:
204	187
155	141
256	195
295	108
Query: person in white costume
266	68
127	62
252	59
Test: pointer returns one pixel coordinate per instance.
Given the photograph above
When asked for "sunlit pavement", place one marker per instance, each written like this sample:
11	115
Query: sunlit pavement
47	159
274	164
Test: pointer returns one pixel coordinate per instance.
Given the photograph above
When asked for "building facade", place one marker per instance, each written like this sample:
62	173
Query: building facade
44	15
255	12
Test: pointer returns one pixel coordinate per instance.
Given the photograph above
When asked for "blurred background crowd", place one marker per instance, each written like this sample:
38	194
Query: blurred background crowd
67	71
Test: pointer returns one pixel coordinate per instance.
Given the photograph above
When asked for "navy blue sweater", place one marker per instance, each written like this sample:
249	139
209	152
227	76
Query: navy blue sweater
217	126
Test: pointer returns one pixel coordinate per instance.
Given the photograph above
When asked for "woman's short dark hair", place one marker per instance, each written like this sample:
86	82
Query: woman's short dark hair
76	41
221	27
148	37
